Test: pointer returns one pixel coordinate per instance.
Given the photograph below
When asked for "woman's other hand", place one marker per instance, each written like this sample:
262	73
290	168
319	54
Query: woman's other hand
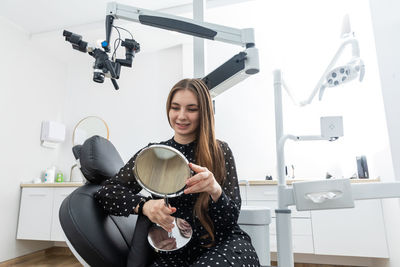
160	214
203	181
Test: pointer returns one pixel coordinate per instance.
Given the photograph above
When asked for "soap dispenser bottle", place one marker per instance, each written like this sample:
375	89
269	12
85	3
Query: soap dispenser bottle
49	175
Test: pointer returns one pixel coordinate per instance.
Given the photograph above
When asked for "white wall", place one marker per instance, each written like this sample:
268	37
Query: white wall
387	28
301	38
32	89
135	113
386	22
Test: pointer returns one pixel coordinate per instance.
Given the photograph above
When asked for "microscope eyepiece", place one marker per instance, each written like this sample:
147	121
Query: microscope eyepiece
75	40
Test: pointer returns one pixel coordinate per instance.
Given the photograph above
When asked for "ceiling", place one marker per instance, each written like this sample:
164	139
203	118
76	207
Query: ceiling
44	21
40	16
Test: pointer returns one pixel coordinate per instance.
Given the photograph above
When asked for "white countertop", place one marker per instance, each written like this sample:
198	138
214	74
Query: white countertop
62	184
241	182
291	181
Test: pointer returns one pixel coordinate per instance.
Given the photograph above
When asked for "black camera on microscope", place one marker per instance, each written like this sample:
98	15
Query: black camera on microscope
103	66
99	66
76	41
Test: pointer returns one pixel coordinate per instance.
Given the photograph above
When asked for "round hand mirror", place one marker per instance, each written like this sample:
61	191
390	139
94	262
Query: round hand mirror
163	171
87	127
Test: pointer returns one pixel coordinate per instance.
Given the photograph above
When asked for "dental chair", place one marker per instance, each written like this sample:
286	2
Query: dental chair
95	238
98	239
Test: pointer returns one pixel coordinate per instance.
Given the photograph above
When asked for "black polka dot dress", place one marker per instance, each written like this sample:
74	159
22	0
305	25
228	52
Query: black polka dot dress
232	247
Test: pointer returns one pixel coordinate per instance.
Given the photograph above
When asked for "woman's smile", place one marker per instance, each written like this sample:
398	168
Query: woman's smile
182	125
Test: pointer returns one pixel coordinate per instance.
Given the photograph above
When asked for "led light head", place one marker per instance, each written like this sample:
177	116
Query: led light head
343	74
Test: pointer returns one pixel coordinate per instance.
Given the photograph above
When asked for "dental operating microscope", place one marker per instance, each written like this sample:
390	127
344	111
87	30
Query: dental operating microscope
231	72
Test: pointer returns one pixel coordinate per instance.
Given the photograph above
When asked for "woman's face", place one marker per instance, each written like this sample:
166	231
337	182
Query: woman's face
184	116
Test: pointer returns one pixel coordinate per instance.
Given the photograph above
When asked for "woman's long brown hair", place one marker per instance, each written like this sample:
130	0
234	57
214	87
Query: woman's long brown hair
208	152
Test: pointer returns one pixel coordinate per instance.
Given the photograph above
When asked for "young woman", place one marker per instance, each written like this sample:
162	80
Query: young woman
211	201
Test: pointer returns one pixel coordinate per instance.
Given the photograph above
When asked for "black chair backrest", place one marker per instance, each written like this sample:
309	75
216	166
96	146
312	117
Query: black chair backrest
98	158
100	239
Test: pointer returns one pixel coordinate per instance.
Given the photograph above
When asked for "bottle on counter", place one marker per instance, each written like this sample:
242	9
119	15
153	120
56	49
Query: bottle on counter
59	177
49	175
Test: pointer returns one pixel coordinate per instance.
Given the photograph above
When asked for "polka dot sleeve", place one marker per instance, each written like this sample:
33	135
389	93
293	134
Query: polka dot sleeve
119	194
225	211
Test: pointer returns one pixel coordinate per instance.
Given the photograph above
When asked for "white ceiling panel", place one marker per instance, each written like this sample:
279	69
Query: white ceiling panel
45	20
39	16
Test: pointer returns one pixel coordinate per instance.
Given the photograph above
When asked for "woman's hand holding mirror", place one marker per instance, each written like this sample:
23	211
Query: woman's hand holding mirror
203	181
160	214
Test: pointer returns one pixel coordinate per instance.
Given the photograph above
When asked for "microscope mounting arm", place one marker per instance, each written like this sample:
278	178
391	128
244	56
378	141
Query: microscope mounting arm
233	71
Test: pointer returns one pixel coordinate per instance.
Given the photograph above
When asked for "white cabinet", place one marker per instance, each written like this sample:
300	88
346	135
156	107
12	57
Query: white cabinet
38	214
35	214
302	239
351	232
266	196
359	231
59	195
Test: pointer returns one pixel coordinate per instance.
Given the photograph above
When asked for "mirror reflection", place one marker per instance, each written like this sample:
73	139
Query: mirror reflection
164	241
162	170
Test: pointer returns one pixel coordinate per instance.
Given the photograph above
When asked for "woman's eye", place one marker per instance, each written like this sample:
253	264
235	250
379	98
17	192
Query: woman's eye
193	110
175	108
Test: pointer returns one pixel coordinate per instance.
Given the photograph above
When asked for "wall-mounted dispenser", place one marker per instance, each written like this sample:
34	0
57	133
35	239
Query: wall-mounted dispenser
52	134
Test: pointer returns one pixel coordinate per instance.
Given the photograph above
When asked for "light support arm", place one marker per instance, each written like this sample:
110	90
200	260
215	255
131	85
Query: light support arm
320	85
285	194
229	73
283	213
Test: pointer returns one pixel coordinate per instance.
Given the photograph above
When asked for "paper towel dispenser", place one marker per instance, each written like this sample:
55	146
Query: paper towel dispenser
52	134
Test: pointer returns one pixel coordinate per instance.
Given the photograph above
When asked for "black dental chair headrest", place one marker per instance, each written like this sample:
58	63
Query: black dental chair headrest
98	159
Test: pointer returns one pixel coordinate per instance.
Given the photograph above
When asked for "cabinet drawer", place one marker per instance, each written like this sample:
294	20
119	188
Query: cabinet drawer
356	232
261	193
38	216
301	244
59	195
299	227
267	196
301	236
35	214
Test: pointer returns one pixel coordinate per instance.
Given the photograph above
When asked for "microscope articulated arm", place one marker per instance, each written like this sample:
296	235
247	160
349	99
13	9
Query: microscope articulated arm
229	73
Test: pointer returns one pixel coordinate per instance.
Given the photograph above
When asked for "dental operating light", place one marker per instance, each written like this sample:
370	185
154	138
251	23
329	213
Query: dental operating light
334	75
233	71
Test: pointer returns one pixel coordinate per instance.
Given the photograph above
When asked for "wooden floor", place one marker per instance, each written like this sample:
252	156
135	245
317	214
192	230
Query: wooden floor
62	256
55	256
